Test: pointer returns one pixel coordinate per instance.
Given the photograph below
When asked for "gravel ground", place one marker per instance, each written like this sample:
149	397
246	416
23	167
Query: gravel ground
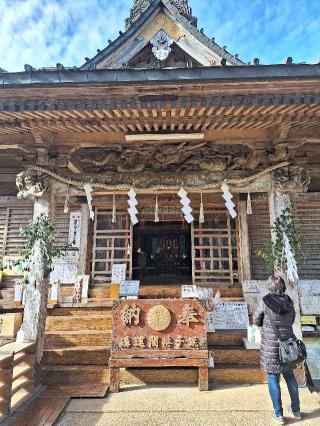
186	406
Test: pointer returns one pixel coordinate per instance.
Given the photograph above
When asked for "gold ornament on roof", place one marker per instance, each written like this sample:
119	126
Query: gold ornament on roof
159	318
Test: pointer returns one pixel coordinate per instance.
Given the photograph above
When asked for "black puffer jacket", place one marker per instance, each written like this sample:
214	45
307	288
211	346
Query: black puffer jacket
282	309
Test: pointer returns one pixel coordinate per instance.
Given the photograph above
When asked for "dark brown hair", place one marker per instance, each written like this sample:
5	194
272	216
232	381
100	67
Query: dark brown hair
276	284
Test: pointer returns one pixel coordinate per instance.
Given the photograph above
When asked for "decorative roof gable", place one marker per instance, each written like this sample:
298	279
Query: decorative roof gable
162	25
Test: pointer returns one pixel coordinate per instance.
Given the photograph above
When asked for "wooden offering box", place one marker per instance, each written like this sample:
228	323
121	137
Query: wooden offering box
159	333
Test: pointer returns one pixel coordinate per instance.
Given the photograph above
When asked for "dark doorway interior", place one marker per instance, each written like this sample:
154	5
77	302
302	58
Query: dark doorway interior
162	253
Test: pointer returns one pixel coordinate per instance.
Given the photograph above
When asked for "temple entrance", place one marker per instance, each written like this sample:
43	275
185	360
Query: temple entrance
162	253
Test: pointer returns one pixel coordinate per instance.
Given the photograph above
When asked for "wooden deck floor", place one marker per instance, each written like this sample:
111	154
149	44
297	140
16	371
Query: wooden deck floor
45	408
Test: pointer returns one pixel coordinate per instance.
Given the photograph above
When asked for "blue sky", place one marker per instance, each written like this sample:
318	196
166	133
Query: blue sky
44	32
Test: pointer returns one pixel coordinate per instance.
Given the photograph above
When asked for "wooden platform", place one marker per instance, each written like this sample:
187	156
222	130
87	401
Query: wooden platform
45	408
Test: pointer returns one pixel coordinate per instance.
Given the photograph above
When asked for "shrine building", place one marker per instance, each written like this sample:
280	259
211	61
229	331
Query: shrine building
171	155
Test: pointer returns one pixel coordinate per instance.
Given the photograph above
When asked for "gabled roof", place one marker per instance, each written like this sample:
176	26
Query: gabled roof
129	43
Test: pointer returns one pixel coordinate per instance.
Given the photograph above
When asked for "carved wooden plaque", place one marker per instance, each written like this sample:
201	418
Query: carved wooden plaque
151	325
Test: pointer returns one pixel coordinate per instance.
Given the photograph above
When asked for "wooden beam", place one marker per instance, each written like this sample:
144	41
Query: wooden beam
74	167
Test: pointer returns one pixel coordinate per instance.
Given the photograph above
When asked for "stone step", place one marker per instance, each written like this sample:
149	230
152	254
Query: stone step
74	323
77	355
70	374
227	338
63	339
235	355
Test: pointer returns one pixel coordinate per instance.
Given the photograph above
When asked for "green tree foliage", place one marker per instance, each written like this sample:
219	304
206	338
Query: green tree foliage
275	258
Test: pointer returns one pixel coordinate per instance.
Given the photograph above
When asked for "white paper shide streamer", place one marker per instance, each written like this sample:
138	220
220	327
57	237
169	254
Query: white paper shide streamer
114	209
228	198
186	209
156	211
88	189
249	204
292	269
201	214
132	210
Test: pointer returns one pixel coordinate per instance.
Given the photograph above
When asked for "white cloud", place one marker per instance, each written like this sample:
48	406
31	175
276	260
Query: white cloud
44	32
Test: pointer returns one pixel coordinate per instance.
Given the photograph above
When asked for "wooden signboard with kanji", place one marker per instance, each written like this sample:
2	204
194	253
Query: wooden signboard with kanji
159	333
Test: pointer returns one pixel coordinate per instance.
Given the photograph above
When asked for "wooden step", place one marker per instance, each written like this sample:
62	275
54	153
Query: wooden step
63	339
77	355
20	397
227	338
221	374
69	374
235	355
73	323
83	311
228	374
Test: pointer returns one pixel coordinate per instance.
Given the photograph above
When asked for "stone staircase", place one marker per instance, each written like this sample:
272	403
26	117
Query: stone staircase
78	343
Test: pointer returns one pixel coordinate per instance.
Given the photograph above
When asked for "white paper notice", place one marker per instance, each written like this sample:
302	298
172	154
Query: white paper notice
129	288
189	292
118	273
231	316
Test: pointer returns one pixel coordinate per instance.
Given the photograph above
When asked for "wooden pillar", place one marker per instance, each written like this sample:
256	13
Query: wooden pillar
278	202
83	239
244	241
36	298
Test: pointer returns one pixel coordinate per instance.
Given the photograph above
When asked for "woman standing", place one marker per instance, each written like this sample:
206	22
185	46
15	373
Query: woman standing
281	307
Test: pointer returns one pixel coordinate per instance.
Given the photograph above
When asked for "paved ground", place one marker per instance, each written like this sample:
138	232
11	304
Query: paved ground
185	406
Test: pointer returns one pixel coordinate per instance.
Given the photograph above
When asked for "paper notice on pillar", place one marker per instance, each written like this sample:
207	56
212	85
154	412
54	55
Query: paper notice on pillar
189	292
65	269
129	288
210	325
85	286
118	273
75	229
231	316
55	292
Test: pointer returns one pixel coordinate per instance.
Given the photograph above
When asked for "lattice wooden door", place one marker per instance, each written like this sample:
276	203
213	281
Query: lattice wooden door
215	250
112	244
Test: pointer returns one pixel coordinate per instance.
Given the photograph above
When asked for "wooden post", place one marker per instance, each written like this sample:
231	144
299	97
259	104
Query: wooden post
278	202
35	310
244	241
83	239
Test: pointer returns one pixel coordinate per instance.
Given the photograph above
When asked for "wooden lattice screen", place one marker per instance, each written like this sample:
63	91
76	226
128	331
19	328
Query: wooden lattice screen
112	244
11	220
306	213
259	235
215	250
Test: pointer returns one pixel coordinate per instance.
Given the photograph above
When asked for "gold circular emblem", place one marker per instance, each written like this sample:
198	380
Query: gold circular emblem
159	318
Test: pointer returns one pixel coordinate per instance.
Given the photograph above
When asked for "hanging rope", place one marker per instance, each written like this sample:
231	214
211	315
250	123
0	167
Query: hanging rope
154	188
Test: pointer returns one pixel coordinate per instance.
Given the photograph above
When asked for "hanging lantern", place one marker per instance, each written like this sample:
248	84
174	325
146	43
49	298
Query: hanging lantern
201	214
249	205
156	211
114	209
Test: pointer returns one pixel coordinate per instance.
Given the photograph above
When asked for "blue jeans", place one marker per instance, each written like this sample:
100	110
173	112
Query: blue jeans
275	392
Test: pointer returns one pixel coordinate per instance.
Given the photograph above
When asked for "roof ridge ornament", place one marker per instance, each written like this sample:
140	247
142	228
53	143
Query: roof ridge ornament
161	45
140	6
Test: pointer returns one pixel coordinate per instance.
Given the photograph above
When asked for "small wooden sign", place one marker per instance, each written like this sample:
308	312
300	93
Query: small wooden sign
75	229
